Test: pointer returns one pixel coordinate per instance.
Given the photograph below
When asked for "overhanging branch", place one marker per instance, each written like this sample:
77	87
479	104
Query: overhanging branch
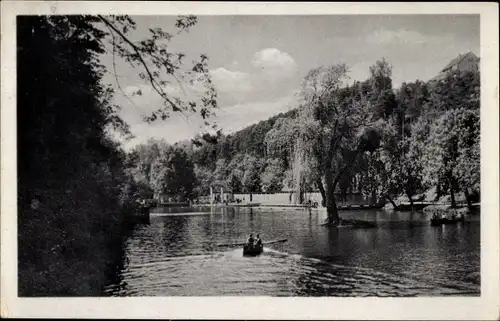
152	80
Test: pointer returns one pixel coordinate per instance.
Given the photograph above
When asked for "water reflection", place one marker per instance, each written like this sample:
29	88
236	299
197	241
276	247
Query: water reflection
177	254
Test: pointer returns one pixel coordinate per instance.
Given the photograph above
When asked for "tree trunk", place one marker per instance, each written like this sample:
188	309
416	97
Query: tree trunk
438	192
467	198
332	211
452	196
410	199
391	201
453	189
319	183
452	192
331	205
373	200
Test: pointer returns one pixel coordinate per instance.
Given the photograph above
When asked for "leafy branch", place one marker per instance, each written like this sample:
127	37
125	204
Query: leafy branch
155	58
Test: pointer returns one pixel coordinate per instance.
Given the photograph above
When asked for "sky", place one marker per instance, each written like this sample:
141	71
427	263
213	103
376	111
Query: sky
257	63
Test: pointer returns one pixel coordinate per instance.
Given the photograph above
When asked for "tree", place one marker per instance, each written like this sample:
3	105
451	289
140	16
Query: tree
137	181
272	177
381	95
75	171
412	99
460	89
236	171
221	175
204	179
452	153
334	125
251	174
173	174
280	140
143	156
372	172
410	166
388	159
161	67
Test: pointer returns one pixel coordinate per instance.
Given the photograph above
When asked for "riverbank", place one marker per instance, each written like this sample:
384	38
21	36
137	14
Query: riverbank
289	206
66	249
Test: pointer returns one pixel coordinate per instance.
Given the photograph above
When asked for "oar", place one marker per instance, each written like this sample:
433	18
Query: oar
268	242
232	244
275	241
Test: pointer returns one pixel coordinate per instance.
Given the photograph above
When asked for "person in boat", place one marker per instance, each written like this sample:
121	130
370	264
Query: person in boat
258	241
250	240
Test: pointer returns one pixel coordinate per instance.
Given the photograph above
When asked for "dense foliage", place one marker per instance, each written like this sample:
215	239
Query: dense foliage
76	186
362	137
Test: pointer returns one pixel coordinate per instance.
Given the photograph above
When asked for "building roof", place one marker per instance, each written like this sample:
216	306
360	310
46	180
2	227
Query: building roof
458	59
452	63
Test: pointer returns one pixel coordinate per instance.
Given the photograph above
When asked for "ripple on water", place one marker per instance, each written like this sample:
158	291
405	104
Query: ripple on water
175	256
272	273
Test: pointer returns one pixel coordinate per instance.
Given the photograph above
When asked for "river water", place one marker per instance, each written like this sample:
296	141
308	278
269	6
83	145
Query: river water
179	254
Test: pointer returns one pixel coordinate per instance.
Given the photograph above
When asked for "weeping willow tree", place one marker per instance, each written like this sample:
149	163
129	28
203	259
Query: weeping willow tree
335	125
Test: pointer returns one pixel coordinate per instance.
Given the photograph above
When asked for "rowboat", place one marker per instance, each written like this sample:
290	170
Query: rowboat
252	250
445	220
245	243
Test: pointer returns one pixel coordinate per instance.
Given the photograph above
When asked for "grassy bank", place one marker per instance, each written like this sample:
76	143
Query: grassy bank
70	246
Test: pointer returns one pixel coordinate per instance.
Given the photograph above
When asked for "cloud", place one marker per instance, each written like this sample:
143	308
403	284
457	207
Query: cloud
273	60
400	36
274	74
244	96
231	81
235	64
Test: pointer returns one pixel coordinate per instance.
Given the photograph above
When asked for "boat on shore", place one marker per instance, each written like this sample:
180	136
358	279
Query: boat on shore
446	215
446	220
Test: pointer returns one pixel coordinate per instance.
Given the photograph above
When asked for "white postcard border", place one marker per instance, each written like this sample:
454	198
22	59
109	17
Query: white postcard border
461	308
